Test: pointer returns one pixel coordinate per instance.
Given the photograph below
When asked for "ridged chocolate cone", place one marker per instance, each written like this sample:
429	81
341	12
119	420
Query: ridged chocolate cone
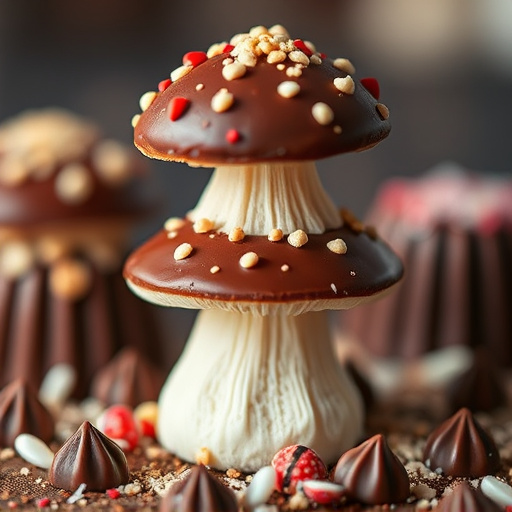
199	492
372	474
465	498
128	379
479	388
461	447
89	457
22	413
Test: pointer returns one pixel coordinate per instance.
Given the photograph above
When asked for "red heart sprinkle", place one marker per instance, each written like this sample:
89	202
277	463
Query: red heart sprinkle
177	107
232	136
301	45
372	86
228	48
164	84
194	58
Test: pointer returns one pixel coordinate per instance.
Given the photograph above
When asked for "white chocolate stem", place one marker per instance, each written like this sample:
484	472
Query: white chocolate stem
247	386
261	197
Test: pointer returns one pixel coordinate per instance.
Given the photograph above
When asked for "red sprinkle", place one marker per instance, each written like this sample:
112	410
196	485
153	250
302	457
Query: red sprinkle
164	84
301	45
113	493
194	58
232	136
176	107
12	505
372	86
228	48
43	503
322	55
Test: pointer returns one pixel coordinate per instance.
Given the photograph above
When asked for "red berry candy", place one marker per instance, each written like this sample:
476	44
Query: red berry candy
301	45
295	464
372	86
176	107
194	58
228	48
113	494
118	423
323	491
164	84
232	136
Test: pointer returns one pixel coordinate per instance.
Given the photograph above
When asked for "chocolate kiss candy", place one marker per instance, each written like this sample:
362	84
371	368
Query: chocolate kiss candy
461	447
89	457
464	497
128	379
22	413
199	492
372	473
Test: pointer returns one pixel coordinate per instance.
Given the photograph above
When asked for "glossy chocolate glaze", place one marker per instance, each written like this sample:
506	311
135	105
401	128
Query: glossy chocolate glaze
89	457
315	272
465	498
271	127
21	412
461	447
372	474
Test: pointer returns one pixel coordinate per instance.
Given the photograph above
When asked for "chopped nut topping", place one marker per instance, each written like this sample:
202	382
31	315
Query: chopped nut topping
276	57
285	268
227	60
337	246
275	235
182	251
73	184
135	120
172	234
322	113
257	31
288	89
247	59
236	235
351	220
146	100
333	288
181	72
70	279
345	85
233	71
294	71
174	223
281	67
315	59
222	100
267	47
383	110
298	238
299	57
344	65
203	456
199	87
214	269
203	225
278	30
249	260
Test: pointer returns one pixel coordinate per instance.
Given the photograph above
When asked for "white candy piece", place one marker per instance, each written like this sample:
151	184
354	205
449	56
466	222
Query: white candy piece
497	490
322	491
33	450
261	487
78	494
58	384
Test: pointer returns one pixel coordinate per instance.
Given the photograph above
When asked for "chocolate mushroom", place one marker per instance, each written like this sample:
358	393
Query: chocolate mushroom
265	252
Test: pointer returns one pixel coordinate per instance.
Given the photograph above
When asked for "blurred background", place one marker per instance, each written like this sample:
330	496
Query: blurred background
444	66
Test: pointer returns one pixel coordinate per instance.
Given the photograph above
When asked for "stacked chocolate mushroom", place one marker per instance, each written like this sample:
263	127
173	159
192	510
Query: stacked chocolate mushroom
265	252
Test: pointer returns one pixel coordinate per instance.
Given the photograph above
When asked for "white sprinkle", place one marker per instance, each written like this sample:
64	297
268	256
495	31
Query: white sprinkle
58	384
33	450
297	238
322	113
337	246
285	268
233	71
383	110
236	235
199	87
146	100
497	490
172	234
344	65
135	120
174	223
275	235
182	251
203	225
288	89
333	288
24	471
345	84
73	184
180	72
222	100
214	269
78	494
249	260
294	71
261	487
299	57
352	273
281	67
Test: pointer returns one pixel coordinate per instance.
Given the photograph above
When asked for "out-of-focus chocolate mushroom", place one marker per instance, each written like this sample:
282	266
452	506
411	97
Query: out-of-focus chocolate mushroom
265	251
68	201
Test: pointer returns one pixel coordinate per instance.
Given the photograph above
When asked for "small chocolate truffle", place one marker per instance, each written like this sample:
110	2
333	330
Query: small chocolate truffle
199	492
91	458
464	497
22	413
461	447
372	473
128	379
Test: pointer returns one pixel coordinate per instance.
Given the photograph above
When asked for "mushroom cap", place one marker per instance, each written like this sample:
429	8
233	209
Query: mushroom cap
285	278
56	167
260	124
